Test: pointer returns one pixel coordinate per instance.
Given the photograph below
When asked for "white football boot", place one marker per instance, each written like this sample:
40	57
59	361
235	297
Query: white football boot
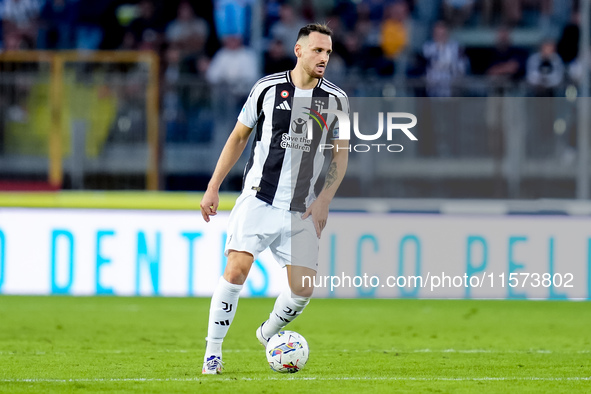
212	366
259	333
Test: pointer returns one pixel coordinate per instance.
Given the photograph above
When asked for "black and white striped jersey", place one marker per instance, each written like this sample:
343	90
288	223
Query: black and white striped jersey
285	166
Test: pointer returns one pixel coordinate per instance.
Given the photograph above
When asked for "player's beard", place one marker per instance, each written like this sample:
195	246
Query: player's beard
311	71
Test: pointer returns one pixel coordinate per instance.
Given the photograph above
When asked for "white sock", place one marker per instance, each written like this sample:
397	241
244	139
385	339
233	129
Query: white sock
287	307
221	313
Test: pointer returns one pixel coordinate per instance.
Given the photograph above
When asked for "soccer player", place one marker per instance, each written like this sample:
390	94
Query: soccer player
278	207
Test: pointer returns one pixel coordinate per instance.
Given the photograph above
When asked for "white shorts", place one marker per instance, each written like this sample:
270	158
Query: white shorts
255	226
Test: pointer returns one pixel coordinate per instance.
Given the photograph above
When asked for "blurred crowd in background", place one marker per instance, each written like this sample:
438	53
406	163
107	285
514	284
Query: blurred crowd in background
212	51
238	41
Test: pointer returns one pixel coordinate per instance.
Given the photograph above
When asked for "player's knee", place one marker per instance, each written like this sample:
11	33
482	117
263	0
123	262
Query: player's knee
235	275
301	281
303	291
237	268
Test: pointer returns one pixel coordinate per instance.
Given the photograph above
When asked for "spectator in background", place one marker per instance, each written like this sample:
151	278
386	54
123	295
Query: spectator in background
57	20
20	17
545	73
568	44
232	17
172	58
367	41
172	112
426	13
309	9
545	70
277	59
445	62
346	11
195	103
513	9
394	30
575	71
488	8
287	28
272	8
151	41
187	32
128	42
234	65
374	9
352	54
457	12
97	25
338	31
445	65
366	29
147	27
507	62
13	42
561	14
195	65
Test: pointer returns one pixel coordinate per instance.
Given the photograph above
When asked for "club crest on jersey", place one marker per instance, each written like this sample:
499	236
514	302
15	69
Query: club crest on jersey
285	94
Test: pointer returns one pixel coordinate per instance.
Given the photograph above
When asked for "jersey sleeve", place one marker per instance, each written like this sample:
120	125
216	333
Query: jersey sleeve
248	115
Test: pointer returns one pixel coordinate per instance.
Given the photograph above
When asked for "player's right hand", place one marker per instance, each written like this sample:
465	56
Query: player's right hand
209	204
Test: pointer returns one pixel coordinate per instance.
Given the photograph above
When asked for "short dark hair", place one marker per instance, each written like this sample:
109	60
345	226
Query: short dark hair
317	27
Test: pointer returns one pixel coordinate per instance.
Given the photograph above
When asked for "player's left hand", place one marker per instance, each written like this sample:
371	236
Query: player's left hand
319	212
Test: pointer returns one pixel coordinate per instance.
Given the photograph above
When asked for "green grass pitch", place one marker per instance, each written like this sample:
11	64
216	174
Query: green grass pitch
155	345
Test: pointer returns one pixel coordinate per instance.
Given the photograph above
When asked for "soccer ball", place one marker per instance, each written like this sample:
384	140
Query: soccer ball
287	352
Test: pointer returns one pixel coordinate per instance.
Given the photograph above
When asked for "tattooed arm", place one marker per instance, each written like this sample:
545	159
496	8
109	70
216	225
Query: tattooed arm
336	171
